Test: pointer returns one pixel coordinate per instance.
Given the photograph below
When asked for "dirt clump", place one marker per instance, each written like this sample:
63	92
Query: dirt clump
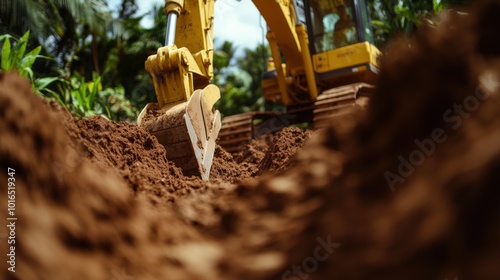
272	153
255	151
226	168
284	145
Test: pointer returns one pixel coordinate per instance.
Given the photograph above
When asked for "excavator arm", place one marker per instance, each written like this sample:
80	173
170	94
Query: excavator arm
184	120
288	36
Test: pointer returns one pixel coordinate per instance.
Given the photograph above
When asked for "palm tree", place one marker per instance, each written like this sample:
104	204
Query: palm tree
133	45
56	24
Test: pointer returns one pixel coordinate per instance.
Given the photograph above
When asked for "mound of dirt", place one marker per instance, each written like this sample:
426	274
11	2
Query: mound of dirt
75	219
136	154
407	189
102	188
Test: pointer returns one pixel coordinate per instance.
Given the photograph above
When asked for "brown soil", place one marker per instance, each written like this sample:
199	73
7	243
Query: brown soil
99	200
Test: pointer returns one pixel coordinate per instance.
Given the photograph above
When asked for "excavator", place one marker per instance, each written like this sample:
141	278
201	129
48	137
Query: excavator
323	64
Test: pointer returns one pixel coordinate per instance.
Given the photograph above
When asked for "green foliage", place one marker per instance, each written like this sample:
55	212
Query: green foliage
391	18
42	85
63	21
235	93
223	59
84	99
239	78
120	55
437	8
81	98
15	56
119	105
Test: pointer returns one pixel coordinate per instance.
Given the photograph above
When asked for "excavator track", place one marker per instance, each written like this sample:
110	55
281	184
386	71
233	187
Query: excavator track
340	101
239	130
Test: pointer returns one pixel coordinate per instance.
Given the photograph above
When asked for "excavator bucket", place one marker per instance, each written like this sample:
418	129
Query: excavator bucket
188	130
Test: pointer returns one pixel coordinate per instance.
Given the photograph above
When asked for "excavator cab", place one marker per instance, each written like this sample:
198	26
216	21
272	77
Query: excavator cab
341	41
344	58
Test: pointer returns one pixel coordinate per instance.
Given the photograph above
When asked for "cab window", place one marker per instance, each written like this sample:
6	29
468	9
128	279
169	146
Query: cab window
333	24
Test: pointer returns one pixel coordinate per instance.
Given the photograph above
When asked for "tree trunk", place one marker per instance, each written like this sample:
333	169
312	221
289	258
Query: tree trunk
95	54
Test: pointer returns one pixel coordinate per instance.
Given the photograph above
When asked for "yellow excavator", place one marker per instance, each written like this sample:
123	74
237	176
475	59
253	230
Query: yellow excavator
330	64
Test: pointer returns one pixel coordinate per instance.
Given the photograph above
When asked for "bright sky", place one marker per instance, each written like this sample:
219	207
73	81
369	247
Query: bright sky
234	21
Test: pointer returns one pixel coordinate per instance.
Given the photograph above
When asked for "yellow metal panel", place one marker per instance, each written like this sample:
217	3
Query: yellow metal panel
375	55
195	32
280	71
348	56
194	26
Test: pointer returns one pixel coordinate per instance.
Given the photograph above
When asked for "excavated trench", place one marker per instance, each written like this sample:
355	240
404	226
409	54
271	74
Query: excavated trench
407	189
